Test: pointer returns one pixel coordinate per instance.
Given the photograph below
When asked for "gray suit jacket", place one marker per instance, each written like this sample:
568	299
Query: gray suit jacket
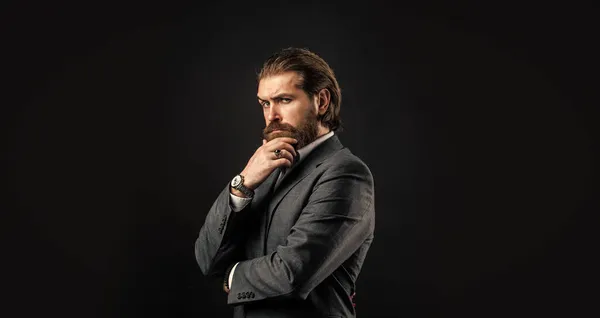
301	246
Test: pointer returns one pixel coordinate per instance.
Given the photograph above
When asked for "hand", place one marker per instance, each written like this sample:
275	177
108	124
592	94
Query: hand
264	160
225	288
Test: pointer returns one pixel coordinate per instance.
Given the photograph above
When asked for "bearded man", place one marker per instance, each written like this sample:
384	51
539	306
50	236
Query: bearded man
290	232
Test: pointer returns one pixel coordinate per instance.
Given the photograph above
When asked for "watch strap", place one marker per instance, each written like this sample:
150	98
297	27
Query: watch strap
248	192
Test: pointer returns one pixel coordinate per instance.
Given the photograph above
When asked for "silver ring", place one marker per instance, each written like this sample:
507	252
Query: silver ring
277	153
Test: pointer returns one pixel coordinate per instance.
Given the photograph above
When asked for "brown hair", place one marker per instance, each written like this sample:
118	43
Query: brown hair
315	74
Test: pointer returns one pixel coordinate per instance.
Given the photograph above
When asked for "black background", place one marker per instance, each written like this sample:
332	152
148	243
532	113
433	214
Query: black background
125	121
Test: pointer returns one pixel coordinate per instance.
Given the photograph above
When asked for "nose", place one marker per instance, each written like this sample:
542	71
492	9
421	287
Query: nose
273	113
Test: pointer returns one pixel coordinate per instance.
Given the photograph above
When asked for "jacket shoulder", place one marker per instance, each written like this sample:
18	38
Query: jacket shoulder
344	161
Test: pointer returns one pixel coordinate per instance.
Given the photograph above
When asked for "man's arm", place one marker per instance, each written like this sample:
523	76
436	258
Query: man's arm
338	218
221	236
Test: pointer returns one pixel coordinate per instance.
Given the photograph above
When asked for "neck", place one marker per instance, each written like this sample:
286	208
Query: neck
322	131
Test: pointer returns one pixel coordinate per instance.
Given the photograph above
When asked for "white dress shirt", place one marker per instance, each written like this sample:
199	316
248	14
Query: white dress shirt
238	203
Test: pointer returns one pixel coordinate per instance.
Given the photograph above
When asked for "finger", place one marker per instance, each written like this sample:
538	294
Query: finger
283	153
264	141
270	148
283	162
286	154
289	148
283	145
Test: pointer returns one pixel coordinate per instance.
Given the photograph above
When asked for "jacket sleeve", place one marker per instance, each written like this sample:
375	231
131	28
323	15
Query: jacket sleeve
337	219
220	241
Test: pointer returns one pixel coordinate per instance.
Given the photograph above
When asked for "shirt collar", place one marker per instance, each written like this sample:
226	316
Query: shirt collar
304	151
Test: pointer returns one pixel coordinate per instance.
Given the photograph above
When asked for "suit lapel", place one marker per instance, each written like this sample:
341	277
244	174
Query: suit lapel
297	174
262	195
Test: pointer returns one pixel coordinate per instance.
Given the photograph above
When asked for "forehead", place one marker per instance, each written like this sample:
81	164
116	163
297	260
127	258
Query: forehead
287	82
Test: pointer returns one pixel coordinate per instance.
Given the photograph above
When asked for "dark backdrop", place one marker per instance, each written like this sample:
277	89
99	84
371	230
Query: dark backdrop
125	122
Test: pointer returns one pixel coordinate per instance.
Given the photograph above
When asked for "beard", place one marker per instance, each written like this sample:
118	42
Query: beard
305	133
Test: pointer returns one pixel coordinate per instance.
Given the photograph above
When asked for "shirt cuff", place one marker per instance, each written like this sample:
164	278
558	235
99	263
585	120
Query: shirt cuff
231	274
237	203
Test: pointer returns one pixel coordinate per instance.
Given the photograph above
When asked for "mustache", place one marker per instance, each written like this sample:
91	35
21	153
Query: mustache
278	126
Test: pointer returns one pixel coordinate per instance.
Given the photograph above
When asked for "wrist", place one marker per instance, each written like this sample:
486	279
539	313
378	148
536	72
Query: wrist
226	278
237	193
248	181
239	187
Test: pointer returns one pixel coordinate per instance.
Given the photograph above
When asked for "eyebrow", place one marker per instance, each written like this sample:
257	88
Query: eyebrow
278	96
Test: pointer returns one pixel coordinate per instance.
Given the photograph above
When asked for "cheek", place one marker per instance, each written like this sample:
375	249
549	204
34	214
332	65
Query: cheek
293	118
298	112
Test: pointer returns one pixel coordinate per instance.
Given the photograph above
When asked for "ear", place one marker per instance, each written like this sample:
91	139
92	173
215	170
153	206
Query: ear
322	101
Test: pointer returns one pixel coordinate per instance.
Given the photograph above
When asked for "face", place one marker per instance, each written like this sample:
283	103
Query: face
288	110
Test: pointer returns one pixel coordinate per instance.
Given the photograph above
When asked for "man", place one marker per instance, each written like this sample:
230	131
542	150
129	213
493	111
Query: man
290	233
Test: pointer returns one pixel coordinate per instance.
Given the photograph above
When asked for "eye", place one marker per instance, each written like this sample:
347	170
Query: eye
264	103
286	100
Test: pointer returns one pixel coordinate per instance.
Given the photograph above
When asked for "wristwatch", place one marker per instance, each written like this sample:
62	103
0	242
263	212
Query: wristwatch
238	183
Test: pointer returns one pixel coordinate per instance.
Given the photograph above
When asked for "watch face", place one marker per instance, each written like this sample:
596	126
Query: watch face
236	181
